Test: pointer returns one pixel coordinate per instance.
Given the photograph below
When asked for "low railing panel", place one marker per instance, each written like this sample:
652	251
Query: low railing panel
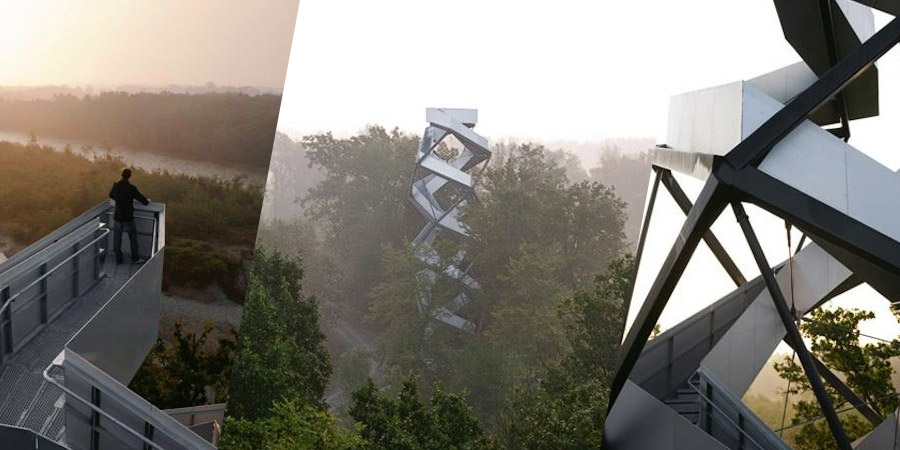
132	413
119	337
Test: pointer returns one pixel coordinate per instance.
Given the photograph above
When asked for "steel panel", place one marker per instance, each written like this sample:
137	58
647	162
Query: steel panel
119	337
626	425
740	355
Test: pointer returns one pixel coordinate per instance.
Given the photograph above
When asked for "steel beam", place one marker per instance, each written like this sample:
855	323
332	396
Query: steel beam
832	229
714	245
856	401
752	150
793	334
711	202
645	227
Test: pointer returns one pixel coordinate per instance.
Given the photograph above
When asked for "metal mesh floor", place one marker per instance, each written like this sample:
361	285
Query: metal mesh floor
26	399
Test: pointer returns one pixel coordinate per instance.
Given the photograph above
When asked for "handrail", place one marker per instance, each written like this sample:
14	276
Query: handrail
104	234
724	415
33	250
154	244
96	408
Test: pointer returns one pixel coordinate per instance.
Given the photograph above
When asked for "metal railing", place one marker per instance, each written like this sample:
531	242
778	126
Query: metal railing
727	419
104	232
96	375
671	357
32	270
96	359
70	394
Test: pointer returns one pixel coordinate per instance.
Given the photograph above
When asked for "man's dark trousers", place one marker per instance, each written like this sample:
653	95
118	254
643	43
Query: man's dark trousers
132	236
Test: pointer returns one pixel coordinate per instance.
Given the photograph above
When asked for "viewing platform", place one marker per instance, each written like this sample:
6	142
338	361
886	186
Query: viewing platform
74	329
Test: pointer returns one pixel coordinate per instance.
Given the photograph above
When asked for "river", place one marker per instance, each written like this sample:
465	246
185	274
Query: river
142	158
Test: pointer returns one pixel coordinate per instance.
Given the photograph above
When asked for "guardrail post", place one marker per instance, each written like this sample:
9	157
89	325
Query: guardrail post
95	419
148	433
708	409
6	324
75	288
670	349
43	293
97	260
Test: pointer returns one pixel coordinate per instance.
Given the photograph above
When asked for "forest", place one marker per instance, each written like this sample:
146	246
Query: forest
554	263
552	260
224	127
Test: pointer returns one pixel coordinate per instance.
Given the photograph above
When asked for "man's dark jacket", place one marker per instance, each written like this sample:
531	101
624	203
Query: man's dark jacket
125	193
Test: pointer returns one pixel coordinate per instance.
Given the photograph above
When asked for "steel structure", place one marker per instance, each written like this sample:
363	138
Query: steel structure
433	176
780	142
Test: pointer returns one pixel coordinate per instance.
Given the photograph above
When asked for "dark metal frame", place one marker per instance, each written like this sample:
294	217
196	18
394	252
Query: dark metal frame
793	333
863	407
734	178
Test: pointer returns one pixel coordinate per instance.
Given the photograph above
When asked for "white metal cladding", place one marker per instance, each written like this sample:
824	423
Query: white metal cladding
745	349
434	173
810	159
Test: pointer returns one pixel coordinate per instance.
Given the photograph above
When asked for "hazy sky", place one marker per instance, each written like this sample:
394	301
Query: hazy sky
564	69
157	42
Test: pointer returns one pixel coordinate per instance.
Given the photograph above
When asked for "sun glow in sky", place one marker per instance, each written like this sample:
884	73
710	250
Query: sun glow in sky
109	43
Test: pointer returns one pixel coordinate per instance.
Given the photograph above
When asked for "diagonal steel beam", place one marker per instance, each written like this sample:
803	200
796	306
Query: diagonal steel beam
752	150
711	202
830	226
856	401
714	245
645	227
793	334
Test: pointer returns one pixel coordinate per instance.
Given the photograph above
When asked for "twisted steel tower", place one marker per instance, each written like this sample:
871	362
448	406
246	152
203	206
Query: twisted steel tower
434	175
780	142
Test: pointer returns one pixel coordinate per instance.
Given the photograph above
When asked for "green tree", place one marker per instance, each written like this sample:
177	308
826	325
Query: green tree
290	425
182	373
280	349
404	423
565	408
536	238
362	202
866	369
352	370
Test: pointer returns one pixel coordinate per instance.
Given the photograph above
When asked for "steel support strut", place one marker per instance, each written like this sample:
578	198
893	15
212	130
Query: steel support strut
866	410
757	145
793	334
645	227
709	205
714	245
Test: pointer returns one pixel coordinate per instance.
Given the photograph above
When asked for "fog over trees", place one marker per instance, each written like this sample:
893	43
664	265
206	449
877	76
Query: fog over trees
552	260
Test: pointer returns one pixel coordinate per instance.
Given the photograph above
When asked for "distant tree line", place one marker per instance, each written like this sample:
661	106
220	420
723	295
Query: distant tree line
230	128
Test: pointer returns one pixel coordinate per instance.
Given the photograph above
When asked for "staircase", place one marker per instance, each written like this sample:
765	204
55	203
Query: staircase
714	410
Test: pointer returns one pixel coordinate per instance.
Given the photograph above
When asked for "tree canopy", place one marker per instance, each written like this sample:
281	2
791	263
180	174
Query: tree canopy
865	368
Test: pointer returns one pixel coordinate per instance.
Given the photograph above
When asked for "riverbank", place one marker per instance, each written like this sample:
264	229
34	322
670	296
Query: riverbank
144	159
